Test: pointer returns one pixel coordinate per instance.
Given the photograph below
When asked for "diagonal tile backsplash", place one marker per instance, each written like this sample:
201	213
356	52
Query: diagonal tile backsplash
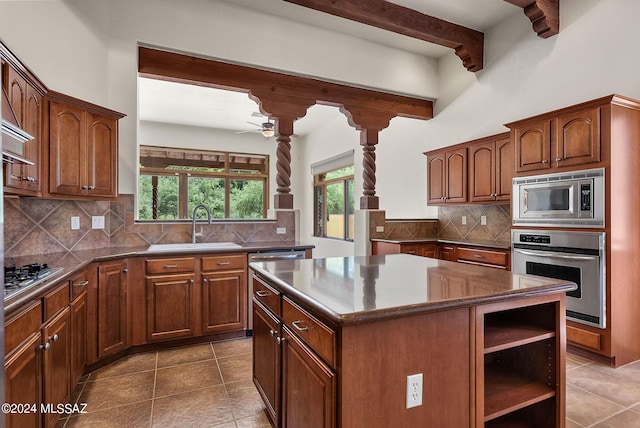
39	226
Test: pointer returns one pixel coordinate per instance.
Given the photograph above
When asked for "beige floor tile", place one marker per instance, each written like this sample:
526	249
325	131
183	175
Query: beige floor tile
255	421
626	419
572	424
235	368
184	355
587	408
187	377
133	415
130	364
619	385
245	400
117	391
208	407
233	347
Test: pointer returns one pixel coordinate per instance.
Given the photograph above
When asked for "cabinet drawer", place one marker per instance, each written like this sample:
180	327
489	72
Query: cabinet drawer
482	256
79	284
182	264
267	296
227	262
584	338
20	327
55	301
318	336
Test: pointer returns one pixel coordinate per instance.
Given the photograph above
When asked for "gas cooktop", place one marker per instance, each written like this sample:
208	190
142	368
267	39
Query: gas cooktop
18	279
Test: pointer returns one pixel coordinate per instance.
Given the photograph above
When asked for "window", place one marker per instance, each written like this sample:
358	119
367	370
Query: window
174	181
334	198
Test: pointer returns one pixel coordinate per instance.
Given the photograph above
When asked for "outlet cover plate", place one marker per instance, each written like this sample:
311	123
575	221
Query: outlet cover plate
97	222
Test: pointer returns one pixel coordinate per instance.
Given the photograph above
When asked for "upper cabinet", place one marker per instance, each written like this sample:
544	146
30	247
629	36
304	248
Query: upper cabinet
558	141
490	169
447	176
477	171
24	93
83	149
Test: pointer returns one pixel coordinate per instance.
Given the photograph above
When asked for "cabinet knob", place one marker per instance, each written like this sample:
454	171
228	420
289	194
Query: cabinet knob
545	161
558	159
125	270
84	187
205	280
272	333
45	347
92	187
280	340
54	338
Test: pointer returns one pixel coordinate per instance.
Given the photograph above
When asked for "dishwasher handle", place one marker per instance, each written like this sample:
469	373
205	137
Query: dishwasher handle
273	257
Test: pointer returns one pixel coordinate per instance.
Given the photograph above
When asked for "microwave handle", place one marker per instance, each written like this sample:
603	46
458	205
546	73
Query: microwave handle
555	255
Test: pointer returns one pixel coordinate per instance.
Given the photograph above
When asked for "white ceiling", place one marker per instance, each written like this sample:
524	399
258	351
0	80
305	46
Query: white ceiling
192	105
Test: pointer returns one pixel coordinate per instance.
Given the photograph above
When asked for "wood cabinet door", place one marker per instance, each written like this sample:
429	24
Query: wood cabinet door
308	387
78	338
578	138
17	93
112	308
435	177
171	306
67	149
504	169
32	125
23	382
224	301
266	361
482	172
447	252
57	363
102	156
533	146
456	176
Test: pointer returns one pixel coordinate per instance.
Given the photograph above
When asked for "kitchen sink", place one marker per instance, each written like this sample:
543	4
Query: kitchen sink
204	246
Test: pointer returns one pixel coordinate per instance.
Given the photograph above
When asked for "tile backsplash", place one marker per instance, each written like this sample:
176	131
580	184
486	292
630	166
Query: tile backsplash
39	226
449	225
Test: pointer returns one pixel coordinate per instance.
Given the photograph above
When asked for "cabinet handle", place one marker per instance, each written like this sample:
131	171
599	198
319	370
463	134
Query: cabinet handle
92	187
262	293
191	281
84	187
558	159
223	263
478	256
296	324
54	338
81	283
411	252
545	161
280	340
125	270
170	266
205	280
272	333
45	347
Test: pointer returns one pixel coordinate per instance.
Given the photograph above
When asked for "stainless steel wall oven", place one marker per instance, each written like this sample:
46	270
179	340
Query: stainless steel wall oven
573	256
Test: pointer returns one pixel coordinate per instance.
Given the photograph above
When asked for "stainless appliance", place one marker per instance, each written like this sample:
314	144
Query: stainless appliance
573	256
19	279
571	199
269	256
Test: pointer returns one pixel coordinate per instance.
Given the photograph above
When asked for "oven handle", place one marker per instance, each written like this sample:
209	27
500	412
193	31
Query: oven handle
555	255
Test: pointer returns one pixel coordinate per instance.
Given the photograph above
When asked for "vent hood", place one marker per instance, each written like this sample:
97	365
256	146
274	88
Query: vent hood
13	137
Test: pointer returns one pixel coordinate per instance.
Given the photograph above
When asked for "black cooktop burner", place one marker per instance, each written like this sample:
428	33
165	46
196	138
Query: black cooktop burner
17	278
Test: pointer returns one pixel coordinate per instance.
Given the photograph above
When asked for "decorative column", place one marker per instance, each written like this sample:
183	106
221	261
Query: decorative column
369	122
285	110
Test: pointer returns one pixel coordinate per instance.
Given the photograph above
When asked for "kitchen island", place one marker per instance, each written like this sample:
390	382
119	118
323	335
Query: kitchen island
336	339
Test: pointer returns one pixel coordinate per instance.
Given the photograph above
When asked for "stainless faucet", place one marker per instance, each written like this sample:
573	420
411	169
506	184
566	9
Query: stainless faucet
193	216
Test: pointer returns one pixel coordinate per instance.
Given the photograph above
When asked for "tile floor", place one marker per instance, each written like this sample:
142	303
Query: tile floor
210	385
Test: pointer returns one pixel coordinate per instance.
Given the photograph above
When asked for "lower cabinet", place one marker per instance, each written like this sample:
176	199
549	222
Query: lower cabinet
111	308
171	306
308	386
266	367
23	381
224	293
424	249
57	363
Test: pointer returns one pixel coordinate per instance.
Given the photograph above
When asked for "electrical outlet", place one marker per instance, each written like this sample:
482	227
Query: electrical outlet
483	220
281	230
379	228
464	219
75	222
414	390
97	222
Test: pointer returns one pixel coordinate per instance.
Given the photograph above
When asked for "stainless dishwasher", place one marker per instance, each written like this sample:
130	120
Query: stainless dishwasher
267	256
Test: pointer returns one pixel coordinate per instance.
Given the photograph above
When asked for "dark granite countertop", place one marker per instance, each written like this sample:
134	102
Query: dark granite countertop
71	262
352	290
473	243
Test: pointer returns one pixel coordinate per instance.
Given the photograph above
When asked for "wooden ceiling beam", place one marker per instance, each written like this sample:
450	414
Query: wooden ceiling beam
467	43
543	14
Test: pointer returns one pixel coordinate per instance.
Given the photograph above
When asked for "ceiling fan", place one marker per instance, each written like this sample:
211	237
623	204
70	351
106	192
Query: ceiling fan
267	129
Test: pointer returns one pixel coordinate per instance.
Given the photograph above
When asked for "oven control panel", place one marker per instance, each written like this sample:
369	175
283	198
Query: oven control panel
536	239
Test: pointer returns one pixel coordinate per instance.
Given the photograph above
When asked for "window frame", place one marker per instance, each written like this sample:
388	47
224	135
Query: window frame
320	185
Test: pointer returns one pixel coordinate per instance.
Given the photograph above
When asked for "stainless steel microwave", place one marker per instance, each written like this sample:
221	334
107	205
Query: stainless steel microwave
571	199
